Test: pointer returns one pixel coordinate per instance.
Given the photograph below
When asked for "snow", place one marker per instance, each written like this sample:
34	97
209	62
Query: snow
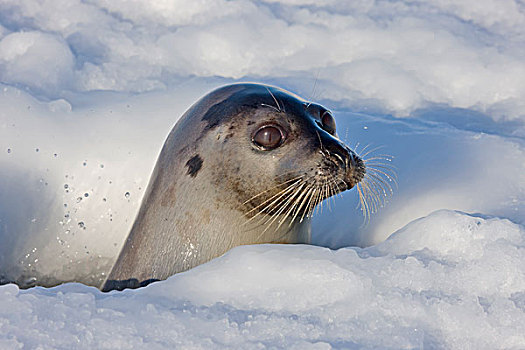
90	89
449	280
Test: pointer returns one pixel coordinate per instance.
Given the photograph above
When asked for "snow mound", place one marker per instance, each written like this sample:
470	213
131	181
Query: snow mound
449	280
392	57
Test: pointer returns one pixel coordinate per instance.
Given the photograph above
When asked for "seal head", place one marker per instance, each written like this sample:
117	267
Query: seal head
246	164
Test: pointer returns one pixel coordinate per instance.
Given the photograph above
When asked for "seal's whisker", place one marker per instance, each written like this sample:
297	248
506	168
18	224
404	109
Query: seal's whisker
337	184
386	157
379	178
263	192
377	172
333	185
328	193
378	160
274	204
276	102
360	153
371	151
320	197
376	186
369	202
274	199
375	194
380	164
363	201
318	193
312	94
381	181
373	186
269	222
277	202
387	169
368	208
315	209
320	142
298	207
288	200
312	203
346	135
272	107
298	204
293	206
307	203
360	197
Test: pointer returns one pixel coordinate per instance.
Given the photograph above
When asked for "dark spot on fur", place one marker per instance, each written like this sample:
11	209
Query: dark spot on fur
251	122
132	283
194	165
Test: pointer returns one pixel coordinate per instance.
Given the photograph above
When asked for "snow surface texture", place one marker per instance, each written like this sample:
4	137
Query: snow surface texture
449	280
90	89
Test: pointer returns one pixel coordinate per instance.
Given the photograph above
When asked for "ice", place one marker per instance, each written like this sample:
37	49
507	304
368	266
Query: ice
37	60
391	57
90	89
415	290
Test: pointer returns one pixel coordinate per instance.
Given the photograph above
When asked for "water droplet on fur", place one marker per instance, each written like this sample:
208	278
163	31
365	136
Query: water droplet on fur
82	225
86	195
79	199
9	150
127	194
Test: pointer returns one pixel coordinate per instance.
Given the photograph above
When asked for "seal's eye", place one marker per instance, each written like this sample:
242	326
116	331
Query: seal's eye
328	122
268	137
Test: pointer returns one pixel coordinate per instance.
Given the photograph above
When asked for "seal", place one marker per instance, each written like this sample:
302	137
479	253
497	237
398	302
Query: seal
246	164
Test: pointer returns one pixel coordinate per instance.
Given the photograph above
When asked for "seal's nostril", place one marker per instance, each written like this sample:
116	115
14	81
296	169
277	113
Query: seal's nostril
341	159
